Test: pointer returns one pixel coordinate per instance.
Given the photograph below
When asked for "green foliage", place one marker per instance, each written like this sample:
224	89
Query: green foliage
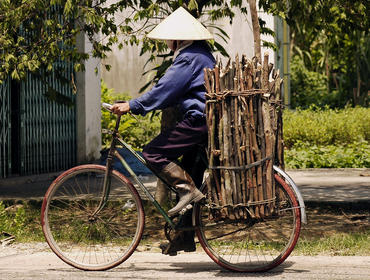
326	127
21	220
308	87
41	36
35	34
317	138
306	155
329	39
138	132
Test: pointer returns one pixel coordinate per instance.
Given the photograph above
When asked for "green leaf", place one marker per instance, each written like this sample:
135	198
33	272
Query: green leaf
68	7
193	5
221	49
15	75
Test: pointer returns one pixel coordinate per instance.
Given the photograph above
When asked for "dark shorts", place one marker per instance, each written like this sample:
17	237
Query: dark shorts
179	141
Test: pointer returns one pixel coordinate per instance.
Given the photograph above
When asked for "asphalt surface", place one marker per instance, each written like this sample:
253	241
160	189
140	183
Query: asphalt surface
143	265
335	186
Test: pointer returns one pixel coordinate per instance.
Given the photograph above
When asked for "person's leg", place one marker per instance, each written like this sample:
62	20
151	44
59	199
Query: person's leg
195	166
163	152
170	144
193	163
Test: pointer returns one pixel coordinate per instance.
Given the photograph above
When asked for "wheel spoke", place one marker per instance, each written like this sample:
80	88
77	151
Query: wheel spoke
91	242
258	245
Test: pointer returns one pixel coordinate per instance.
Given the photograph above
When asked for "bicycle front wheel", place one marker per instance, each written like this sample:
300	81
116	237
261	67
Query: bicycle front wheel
82	236
251	245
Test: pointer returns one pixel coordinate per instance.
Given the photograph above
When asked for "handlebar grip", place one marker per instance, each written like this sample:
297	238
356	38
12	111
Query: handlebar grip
107	106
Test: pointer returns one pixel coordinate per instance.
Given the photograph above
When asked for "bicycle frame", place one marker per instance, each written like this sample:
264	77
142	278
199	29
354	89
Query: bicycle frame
114	153
112	233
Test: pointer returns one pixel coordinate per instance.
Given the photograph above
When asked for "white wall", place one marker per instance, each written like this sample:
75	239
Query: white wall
88	107
126	72
127	65
241	35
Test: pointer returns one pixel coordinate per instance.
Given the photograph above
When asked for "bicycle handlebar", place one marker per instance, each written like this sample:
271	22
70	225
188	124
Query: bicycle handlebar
107	106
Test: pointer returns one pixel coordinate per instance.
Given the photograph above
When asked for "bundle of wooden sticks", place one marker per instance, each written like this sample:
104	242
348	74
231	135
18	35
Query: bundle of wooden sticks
244	120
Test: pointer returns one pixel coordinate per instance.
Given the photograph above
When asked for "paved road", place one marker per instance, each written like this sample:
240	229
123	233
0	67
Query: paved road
333	185
142	265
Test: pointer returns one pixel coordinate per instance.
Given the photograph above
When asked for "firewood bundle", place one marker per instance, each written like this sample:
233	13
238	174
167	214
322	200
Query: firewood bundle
245	136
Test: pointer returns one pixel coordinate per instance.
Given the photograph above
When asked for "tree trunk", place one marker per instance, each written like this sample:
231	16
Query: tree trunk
256	29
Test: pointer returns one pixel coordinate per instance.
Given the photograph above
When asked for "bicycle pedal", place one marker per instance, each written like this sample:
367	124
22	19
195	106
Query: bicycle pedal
165	249
185	209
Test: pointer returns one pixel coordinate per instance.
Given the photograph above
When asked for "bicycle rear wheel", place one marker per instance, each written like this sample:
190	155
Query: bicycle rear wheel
81	238
251	245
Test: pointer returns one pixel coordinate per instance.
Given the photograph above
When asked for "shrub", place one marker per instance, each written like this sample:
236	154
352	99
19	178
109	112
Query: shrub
327	138
308	87
136	132
305	155
326	127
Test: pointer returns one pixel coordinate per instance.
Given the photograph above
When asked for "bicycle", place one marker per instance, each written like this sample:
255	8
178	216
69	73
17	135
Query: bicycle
93	219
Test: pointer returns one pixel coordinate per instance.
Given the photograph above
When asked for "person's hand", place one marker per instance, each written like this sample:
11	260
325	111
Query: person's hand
120	108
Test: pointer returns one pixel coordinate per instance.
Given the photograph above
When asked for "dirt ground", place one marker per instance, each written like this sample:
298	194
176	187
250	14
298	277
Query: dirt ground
327	221
322	221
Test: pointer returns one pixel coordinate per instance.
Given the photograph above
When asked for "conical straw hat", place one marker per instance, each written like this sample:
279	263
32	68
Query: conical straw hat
180	25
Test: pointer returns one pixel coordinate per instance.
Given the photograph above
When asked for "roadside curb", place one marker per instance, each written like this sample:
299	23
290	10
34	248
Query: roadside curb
358	205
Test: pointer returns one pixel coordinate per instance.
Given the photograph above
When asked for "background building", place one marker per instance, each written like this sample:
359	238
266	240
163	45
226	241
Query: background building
38	135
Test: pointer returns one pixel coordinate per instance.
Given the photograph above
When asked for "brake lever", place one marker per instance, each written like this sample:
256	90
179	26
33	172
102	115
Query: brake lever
132	115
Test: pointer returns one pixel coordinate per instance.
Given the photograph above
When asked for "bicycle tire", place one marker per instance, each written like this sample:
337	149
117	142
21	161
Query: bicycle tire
88	242
245	246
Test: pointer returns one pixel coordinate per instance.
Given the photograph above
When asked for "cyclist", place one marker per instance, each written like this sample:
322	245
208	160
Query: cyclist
182	86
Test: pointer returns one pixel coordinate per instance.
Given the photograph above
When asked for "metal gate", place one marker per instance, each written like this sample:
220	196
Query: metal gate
48	128
5	129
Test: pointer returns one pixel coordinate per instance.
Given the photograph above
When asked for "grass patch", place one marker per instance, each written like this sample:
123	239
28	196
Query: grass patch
338	244
335	230
22	220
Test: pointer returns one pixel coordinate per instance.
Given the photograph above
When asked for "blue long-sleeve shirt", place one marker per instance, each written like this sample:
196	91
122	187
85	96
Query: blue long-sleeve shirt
181	85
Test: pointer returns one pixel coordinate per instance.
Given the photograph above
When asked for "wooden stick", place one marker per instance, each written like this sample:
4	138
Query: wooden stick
232	162
225	124
217	79
240	180
244	129
265	71
268	137
260	153
212	124
206	81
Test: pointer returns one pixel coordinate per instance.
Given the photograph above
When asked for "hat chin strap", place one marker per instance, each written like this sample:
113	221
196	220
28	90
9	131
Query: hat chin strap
180	46
172	44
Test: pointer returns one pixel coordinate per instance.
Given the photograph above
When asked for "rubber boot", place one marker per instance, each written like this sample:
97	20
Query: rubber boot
183	183
183	241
